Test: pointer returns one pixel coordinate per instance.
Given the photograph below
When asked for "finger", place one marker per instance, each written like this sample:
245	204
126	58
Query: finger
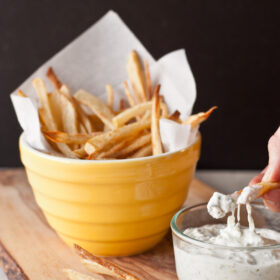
273	206
272	173
273	195
272	200
258	178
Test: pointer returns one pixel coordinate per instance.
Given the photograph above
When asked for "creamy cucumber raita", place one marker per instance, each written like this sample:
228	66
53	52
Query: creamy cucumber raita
221	262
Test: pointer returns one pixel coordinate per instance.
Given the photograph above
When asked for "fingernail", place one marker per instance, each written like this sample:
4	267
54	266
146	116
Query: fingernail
268	174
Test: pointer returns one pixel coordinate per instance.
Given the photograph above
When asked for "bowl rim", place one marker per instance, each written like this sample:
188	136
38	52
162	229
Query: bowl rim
185	238
39	153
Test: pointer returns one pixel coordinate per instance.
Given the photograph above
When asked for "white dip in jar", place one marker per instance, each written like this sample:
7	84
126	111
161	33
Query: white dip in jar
206	248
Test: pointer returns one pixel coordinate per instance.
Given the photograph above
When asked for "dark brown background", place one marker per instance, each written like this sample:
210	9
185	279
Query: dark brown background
232	46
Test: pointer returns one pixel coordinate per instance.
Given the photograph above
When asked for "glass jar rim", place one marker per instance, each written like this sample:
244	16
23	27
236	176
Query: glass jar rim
176	231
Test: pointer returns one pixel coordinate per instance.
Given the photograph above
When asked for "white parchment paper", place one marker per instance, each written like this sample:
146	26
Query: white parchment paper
98	57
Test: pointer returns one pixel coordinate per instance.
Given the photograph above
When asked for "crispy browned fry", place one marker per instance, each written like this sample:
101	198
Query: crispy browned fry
97	124
122	104
84	119
156	140
143	152
197	119
55	104
66	150
65	111
63	105
129	96
41	90
136	77
41	114
175	116
113	150
20	93
102	266
66	91
69	115
148	80
53	78
42	118
135	145
46	115
97	106
110	94
80	153
133	112
62	137
130	113
75	275
97	143
81	128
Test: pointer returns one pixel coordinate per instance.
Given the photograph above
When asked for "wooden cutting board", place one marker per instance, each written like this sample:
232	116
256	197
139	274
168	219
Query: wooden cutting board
30	249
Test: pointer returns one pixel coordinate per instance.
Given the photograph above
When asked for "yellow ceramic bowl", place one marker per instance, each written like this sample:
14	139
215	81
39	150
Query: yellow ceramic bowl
110	208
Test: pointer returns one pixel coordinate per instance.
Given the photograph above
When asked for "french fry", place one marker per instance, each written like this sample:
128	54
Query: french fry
41	114
135	111
129	96
175	116
135	145
75	275
131	113
62	137
53	78
20	93
148	80
80	153
66	150
143	152
156	140
55	104
82	128
84	119
97	143
110	94
61	107
47	116
42	93
57	84
113	150
197	119
136	77
122	104
97	106
102	266
97	124
69	115
66	91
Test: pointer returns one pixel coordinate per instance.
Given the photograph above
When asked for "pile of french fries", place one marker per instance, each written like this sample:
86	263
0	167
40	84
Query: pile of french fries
83	126
97	265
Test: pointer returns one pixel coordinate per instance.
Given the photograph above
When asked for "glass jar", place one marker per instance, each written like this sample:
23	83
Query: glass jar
199	260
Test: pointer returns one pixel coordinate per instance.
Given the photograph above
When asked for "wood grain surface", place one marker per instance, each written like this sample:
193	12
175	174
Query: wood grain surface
30	249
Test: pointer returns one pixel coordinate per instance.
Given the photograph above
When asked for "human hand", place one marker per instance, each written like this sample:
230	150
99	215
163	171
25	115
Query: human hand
271	173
